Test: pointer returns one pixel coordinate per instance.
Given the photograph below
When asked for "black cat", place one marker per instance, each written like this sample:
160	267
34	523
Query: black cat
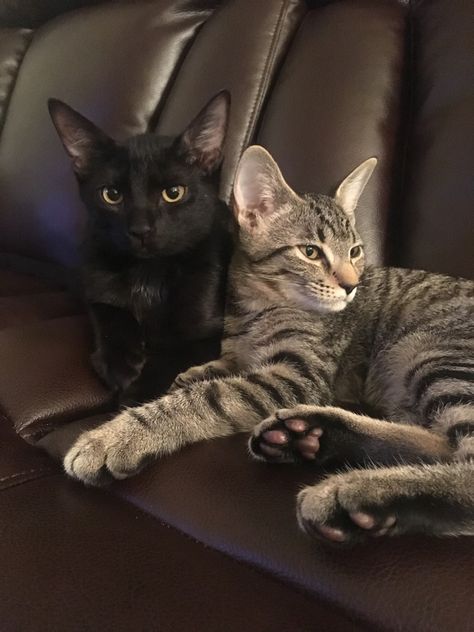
156	249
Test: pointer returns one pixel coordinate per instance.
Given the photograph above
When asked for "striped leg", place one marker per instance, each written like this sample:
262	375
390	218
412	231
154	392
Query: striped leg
436	499
214	408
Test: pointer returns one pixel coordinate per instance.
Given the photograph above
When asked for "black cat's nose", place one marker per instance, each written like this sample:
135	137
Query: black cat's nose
347	288
140	231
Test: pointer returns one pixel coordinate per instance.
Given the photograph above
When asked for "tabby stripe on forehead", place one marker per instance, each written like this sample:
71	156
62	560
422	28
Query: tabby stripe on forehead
442	401
271	391
442	374
251	400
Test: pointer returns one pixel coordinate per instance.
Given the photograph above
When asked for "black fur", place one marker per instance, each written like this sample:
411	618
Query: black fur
154	272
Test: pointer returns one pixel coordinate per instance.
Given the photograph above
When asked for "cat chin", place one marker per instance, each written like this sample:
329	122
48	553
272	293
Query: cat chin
315	304
322	307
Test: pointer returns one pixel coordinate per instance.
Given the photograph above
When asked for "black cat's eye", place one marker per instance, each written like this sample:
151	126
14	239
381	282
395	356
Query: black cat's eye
355	252
111	195
312	252
173	194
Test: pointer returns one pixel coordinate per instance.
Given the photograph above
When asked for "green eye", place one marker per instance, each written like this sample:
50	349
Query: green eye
355	252
312	252
173	194
111	195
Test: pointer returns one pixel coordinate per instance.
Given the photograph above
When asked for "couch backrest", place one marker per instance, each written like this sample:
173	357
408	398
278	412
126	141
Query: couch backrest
323	85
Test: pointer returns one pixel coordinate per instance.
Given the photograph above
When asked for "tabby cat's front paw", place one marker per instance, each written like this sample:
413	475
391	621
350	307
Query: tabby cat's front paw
338	510
287	437
106	453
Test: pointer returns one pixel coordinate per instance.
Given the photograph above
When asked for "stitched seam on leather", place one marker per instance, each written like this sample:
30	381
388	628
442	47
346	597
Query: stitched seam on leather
174	74
265	80
24	477
6	419
28	37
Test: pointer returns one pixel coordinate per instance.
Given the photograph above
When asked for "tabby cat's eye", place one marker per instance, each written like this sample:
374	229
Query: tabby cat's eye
312	252
111	195
173	194
355	252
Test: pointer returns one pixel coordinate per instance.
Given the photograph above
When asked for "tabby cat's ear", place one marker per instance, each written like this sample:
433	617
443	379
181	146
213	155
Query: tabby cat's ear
259	189
82	140
350	189
203	140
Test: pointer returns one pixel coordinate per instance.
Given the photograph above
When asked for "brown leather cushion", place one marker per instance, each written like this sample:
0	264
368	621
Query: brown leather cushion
214	492
336	102
77	559
217	495
19	461
16	311
16	284
46	377
435	230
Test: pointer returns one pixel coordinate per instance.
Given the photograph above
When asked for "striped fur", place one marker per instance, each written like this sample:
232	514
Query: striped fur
301	336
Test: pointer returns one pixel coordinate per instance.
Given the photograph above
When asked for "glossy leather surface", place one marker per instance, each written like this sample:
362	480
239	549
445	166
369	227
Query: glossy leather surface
13	44
207	539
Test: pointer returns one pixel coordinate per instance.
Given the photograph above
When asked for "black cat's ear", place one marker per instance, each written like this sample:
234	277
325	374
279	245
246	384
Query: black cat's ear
203	140
260	191
82	140
351	188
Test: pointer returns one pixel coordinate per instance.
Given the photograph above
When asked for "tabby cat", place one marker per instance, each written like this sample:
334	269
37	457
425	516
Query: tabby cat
307	326
156	249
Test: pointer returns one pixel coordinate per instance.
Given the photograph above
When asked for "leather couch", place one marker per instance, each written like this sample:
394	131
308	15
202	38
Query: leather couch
207	539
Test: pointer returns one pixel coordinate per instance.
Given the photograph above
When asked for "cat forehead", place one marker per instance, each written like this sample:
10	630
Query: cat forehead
318	217
147	148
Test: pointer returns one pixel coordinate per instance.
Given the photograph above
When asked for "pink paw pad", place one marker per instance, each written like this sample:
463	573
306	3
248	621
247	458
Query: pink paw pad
331	533
270	450
297	425
308	446
366	521
277	437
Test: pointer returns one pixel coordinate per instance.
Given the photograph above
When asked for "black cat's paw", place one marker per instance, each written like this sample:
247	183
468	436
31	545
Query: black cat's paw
290	436
339	510
118	369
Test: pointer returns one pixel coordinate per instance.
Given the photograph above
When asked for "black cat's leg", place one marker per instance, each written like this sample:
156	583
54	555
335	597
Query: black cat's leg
435	499
119	354
334	435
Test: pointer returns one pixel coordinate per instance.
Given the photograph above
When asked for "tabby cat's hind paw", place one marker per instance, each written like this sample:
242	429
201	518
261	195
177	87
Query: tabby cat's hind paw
286	438
336	513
